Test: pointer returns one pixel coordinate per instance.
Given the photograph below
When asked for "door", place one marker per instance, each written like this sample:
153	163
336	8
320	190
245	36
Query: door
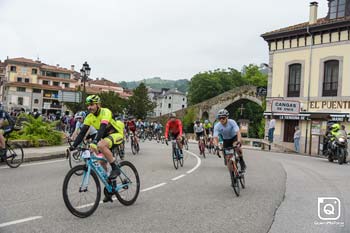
289	129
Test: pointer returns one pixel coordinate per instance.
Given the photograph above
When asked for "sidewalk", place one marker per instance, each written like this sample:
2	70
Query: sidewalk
44	153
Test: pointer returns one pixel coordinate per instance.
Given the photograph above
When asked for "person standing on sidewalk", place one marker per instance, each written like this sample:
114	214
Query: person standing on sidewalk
296	137
272	125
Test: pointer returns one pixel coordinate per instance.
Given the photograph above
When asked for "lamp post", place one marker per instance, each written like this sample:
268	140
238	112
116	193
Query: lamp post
85	73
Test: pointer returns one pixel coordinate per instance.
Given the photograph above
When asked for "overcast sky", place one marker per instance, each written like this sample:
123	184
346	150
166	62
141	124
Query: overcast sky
126	40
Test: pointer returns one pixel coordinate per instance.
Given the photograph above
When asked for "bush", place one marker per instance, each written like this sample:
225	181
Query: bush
35	129
188	120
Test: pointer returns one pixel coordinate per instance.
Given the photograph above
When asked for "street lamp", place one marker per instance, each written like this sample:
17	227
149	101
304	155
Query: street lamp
85	73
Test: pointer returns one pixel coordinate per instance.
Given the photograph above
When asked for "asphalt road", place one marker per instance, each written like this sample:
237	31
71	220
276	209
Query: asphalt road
281	196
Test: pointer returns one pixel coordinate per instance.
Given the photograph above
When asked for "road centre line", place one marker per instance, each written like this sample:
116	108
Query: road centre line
19	221
178	177
199	161
153	187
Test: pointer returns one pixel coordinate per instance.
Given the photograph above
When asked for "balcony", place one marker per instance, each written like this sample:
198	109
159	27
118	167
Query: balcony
58	106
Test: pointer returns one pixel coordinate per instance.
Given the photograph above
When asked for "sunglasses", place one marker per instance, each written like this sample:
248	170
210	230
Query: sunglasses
222	118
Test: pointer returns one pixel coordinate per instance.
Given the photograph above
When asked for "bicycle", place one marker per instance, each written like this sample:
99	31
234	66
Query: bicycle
13	155
185	142
135	147
124	187
176	154
235	170
201	146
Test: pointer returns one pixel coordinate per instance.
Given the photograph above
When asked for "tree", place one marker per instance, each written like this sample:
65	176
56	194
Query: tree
209	84
253	76
113	102
139	104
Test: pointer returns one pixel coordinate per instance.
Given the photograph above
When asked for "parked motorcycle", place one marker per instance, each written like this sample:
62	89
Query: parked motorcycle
338	149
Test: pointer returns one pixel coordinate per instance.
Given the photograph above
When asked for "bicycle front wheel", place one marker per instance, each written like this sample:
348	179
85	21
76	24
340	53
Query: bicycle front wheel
129	177
235	183
133	148
81	196
14	155
74	160
175	159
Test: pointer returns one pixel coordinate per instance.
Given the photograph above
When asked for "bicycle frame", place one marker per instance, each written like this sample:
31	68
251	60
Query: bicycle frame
99	170
231	158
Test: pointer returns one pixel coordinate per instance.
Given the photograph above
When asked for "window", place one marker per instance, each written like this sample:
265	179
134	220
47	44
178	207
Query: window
294	80
20	100
183	99
183	106
26	80
13	68
36	91
19	79
330	81
66	85
45	82
170	97
36	101
166	97
169	105
337	9
21	89
34	71
56	84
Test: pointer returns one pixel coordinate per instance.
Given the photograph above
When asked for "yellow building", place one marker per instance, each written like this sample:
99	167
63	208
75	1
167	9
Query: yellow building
309	76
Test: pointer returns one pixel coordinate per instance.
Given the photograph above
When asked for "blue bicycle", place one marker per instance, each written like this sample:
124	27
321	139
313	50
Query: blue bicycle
176	154
82	189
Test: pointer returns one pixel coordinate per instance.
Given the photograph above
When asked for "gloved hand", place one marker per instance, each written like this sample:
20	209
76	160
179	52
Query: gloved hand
93	146
239	144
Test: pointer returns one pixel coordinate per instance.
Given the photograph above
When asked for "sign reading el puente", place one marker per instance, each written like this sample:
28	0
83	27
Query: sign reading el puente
329	105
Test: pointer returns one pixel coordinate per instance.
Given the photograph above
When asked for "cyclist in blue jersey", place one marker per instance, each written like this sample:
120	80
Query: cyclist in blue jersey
230	133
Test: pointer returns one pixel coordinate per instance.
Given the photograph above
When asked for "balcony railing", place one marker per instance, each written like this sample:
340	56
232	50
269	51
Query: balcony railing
330	89
293	90
55	105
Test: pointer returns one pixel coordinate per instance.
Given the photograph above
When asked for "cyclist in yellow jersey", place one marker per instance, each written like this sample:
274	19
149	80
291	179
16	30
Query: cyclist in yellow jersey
109	132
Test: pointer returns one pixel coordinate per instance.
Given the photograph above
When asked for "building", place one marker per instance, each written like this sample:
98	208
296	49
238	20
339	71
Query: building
169	101
34	86
309	75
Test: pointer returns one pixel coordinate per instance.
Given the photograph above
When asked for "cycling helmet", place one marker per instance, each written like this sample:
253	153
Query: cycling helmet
197	122
336	126
206	121
223	113
80	115
172	115
93	99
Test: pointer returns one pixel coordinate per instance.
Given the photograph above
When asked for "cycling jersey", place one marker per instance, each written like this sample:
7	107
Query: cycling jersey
227	131
131	126
198	128
207	126
175	127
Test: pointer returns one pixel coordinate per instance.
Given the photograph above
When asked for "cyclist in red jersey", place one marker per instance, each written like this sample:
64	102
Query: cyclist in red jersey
174	127
132	127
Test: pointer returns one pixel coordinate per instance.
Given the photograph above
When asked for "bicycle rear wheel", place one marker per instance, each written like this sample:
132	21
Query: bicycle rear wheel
129	175
14	155
175	159
202	149
133	149
81	201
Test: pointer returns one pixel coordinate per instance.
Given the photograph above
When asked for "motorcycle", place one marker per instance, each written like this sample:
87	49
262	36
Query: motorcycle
338	149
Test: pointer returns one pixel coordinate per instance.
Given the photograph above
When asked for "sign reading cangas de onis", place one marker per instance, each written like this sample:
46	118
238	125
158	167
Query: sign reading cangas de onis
283	106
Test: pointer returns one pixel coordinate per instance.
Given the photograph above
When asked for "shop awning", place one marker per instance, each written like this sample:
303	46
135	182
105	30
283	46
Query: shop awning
285	116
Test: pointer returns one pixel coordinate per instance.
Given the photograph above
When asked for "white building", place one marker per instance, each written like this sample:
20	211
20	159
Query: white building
170	101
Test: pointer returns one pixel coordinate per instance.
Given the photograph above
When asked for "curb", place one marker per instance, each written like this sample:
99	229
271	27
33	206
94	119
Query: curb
57	155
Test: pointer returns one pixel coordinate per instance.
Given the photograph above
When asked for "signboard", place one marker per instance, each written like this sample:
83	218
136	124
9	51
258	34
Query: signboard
283	106
69	96
46	105
329	105
316	127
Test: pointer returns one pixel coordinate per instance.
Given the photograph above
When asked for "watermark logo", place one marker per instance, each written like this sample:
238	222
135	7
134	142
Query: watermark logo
329	208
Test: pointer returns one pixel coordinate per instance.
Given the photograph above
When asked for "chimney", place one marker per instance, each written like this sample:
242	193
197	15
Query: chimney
313	12
72	67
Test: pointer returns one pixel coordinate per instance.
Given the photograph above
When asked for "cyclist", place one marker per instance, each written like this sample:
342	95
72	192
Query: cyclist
200	132
7	125
109	132
208	131
132	127
230	133
79	117
174	128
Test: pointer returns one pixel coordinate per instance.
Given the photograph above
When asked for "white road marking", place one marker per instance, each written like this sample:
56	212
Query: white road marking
178	177
153	187
37	163
199	161
19	221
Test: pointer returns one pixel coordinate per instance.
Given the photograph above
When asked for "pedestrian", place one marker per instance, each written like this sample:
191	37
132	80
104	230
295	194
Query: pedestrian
272	125
296	137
